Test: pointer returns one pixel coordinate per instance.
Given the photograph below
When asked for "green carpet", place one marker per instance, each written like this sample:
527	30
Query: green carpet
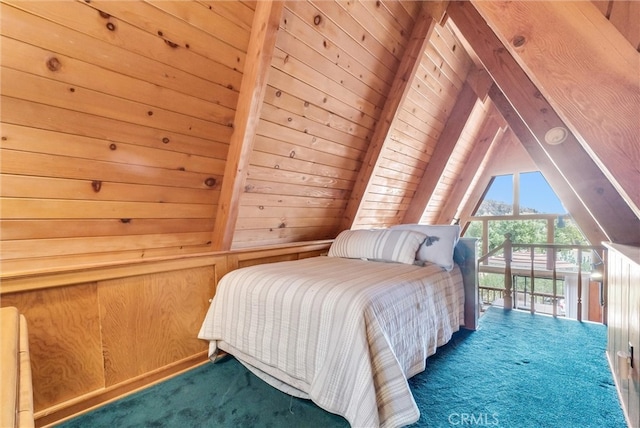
516	370
521	370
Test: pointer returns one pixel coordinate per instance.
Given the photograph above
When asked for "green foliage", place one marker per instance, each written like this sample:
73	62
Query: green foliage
569	234
523	231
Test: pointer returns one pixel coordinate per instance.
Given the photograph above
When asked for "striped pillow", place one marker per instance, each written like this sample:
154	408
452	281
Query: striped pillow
381	245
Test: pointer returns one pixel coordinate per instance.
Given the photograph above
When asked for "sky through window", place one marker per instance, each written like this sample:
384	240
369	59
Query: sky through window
535	193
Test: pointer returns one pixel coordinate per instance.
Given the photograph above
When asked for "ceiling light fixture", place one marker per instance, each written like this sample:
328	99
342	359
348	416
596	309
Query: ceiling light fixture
556	135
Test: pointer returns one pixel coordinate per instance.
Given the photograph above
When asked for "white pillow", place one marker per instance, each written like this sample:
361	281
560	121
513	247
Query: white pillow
379	244
439	245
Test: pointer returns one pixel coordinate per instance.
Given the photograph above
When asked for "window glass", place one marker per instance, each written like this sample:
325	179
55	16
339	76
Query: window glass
567	232
499	197
474	231
536	196
522	231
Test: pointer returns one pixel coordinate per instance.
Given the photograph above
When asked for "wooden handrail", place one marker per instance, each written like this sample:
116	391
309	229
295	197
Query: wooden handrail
554	279
579	316
508	248
485	258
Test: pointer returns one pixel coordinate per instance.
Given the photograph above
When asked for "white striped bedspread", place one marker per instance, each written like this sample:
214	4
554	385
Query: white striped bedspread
346	333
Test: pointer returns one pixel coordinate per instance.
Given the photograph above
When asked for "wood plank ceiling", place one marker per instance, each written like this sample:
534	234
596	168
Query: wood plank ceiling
152	128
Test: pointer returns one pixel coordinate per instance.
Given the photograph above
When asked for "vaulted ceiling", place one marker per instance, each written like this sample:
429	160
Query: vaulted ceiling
546	80
559	78
150	128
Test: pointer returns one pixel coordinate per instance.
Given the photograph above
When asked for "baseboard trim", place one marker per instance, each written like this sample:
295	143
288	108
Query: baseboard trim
85	403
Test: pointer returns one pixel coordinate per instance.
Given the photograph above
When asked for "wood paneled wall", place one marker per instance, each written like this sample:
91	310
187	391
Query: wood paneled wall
330	75
116	124
117	119
96	334
624	324
417	129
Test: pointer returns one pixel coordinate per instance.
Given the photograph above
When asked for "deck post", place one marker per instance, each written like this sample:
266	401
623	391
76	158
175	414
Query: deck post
554	281
508	279
532	305
579	312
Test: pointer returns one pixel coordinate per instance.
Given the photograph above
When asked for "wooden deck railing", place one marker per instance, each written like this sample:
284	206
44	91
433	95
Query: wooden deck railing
540	261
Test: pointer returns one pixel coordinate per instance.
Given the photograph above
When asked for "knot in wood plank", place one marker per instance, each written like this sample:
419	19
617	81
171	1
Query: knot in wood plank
519	40
54	64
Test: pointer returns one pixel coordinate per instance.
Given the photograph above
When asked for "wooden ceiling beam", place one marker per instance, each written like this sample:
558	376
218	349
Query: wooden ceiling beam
505	146
425	23
483	174
558	183
489	134
482	181
590	185
587	71
266	22
449	137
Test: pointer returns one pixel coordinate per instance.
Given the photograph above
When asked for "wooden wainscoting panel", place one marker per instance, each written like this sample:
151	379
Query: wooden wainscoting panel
634	340
64	341
150	321
280	258
624	324
273	259
313	254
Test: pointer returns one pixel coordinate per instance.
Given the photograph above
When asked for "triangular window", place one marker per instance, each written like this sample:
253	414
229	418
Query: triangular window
524	205
524	193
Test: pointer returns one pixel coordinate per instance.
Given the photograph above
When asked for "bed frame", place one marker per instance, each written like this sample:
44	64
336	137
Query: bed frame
466	257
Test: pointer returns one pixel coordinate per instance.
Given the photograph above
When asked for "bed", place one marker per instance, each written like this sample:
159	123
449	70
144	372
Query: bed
348	329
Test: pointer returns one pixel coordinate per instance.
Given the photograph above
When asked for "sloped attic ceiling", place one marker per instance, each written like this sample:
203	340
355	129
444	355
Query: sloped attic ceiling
414	155
149	128
581	88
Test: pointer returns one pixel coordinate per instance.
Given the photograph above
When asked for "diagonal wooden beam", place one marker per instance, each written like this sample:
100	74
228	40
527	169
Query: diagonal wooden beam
504	146
588	72
588	224
489	134
266	21
479	168
451	133
422	29
590	185
477	193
